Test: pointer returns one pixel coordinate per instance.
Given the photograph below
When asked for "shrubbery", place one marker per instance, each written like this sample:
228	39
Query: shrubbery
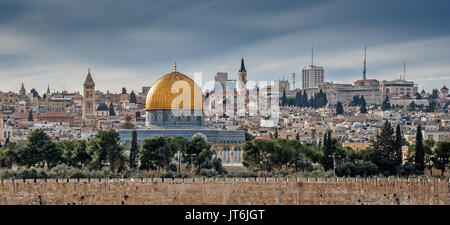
61	171
349	169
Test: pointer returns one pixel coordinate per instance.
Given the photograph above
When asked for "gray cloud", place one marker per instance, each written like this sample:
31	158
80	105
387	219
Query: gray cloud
131	43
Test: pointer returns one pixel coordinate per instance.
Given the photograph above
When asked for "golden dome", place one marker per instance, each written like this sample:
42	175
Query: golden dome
169	90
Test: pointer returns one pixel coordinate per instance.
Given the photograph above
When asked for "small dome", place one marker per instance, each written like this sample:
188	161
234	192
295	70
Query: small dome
102	107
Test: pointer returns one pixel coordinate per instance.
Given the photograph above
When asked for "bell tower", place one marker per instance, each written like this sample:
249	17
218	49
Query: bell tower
88	97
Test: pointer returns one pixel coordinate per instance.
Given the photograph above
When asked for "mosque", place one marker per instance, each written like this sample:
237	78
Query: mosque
174	107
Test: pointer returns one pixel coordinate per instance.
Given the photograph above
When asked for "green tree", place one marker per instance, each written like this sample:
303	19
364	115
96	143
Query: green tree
420	152
363	108
418	96
132	97
258	153
431	106
284	153
328	154
8	155
127	122
39	149
275	135
398	145
297	136
179	145
428	146
304	99
106	150
157	153
249	137
283	98
384	153
412	106
441	157
339	108
80	155
434	95
386	105
112	112
124	90
30	115
198	151
133	150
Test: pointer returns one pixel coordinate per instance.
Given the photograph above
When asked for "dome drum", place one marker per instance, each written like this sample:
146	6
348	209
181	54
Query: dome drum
179	117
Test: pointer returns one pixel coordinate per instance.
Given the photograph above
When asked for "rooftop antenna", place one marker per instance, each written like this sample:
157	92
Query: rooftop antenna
293	81
404	70
312	56
365	66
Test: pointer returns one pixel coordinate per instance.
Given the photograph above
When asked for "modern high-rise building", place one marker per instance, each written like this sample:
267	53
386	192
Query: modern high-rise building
312	75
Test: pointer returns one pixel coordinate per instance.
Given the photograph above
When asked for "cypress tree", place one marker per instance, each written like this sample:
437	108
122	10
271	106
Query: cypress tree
398	144
305	99
384	153
276	133
363	108
328	163
111	110
133	150
420	153
339	109
298	99
297	137
386	105
283	99
132	97
30	115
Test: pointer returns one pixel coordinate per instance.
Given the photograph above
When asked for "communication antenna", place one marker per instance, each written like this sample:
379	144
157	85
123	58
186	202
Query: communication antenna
365	62
293	81
404	70
312	56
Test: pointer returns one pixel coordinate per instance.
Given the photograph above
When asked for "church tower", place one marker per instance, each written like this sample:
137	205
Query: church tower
88	97
22	91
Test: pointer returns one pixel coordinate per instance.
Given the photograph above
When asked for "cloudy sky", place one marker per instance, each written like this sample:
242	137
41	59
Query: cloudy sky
132	43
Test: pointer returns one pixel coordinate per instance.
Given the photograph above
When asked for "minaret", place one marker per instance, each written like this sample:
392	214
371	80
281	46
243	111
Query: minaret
365	66
242	97
88	96
242	74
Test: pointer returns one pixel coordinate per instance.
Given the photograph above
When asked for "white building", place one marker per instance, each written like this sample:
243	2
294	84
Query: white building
312	76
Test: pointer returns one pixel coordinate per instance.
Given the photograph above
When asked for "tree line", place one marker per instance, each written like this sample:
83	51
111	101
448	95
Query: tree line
104	151
318	100
384	156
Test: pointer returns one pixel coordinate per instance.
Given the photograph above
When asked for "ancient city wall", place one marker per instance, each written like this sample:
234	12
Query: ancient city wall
226	191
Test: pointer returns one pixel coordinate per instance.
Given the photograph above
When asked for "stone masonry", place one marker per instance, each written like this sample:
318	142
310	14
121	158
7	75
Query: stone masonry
230	191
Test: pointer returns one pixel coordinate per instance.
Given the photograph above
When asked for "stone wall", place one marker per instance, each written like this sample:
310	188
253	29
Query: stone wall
239	191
